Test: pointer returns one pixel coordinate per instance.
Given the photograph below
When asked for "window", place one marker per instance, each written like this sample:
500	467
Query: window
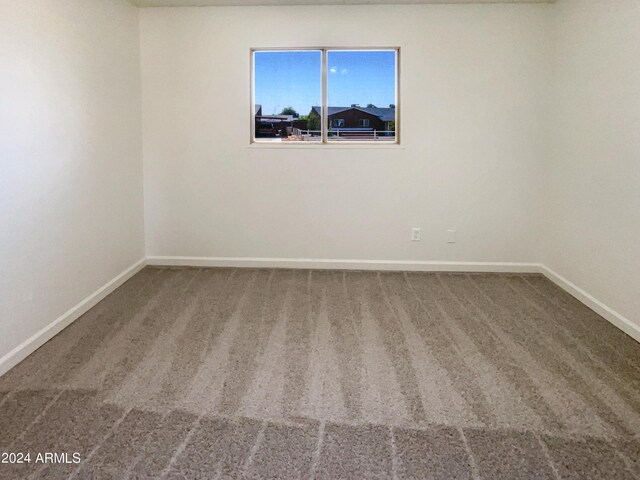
323	95
286	84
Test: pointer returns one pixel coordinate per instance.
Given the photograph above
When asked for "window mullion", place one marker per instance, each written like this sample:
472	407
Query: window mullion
324	109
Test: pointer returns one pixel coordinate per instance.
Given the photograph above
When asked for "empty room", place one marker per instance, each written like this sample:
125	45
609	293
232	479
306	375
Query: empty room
320	239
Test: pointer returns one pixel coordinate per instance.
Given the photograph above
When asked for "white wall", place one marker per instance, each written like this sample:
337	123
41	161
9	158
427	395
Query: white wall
473	85
71	215
592	229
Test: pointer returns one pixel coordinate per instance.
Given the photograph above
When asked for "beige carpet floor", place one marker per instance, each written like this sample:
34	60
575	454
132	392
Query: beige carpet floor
258	373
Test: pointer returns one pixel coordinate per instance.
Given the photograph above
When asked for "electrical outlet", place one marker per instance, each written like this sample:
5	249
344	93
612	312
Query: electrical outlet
415	234
451	236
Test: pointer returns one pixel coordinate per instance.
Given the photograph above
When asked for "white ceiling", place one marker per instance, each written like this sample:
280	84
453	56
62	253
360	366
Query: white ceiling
200	3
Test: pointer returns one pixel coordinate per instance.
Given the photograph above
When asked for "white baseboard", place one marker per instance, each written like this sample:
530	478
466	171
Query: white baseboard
329	264
608	313
30	345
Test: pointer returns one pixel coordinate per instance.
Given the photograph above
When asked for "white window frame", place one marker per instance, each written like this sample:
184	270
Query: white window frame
338	123
364	122
324	86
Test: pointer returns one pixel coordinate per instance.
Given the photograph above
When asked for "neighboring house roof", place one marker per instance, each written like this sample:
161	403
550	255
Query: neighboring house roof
332	110
258	108
385	114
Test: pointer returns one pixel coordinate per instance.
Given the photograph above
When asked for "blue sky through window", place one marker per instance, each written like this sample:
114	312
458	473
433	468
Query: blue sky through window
287	79
361	77
292	79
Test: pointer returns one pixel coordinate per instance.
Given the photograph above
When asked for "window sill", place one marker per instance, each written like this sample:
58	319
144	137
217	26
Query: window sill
325	146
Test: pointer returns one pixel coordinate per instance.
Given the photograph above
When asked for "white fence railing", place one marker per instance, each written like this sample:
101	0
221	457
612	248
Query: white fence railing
309	133
348	134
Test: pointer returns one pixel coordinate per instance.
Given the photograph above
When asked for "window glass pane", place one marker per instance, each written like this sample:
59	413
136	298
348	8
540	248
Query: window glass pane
287	95
361	93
